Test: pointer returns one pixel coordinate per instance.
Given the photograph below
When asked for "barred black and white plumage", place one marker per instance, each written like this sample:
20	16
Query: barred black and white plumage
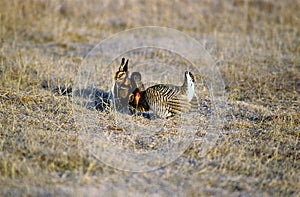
166	100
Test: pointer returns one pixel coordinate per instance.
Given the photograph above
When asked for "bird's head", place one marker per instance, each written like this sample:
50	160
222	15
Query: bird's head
121	76
136	81
189	76
136	76
190	84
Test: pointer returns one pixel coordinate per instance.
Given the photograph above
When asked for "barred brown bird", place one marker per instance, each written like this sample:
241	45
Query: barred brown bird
124	85
165	100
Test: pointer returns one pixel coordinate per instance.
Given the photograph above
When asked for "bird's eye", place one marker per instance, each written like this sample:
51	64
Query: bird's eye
120	75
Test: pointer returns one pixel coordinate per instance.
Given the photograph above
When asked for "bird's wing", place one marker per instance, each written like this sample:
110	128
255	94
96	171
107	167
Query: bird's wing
167	100
178	104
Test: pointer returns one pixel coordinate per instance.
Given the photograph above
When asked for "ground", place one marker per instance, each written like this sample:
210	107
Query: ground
255	45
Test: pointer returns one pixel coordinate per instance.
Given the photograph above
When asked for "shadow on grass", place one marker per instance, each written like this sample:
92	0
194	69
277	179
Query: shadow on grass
96	99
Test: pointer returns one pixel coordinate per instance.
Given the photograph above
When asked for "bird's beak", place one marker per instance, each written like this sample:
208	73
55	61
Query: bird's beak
137	98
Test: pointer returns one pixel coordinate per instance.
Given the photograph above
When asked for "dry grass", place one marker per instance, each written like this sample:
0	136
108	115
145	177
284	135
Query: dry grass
257	48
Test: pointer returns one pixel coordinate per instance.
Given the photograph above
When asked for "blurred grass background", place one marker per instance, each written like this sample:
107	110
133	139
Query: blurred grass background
257	49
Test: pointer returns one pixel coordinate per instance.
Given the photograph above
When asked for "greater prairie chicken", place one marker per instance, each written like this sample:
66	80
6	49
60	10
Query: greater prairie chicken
124	85
165	100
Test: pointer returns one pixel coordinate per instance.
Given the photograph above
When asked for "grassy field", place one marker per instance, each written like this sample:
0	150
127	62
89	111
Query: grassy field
256	45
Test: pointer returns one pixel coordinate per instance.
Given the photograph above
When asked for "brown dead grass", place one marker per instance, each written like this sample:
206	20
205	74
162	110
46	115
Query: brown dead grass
256	46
